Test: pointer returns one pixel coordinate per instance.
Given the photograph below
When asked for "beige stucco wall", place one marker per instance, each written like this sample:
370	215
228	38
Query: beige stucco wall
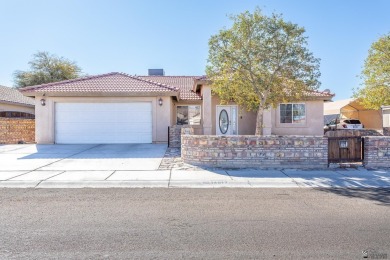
246	121
17	108
314	124
161	115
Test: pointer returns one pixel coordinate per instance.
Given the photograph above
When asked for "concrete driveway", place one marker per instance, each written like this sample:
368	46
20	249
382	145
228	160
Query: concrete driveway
103	157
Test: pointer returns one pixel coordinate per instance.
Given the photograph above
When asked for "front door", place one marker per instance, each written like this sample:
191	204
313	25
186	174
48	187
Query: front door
226	120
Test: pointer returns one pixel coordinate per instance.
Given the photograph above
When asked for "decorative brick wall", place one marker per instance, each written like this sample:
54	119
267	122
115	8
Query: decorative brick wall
13	131
175	135
242	151
376	151
386	131
353	132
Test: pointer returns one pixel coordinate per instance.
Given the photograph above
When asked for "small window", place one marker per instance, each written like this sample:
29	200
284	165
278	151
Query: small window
292	113
14	114
188	115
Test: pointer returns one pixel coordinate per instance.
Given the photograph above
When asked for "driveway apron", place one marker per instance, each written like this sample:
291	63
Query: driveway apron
107	157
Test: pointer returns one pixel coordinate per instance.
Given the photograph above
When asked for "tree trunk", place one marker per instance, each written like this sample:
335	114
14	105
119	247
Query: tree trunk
259	121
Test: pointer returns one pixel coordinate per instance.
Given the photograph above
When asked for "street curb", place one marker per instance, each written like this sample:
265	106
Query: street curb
103	184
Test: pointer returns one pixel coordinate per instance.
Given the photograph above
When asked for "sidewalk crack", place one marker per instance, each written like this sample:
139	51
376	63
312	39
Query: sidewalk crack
231	177
297	183
170	177
18	175
39	183
110	175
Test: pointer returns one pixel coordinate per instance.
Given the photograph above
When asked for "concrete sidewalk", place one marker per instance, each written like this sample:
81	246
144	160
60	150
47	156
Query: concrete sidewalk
154	165
199	178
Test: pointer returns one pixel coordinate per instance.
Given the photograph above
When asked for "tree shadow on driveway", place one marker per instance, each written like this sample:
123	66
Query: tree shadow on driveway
84	157
102	151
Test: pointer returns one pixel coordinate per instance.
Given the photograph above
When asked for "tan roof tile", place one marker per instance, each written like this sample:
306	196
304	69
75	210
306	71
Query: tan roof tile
184	83
314	93
317	93
107	83
13	95
123	83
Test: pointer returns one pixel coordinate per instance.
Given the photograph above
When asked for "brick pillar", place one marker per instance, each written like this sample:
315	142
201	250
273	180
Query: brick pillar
386	131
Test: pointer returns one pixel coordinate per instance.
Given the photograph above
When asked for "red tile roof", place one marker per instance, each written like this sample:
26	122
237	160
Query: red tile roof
317	93
313	93
12	95
123	83
184	83
107	83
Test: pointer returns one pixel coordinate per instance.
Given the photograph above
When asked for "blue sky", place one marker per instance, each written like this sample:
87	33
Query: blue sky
132	36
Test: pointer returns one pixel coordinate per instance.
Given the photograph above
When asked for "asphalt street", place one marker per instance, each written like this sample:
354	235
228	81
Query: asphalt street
194	223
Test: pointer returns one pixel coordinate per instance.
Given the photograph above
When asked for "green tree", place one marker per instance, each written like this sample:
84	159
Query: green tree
376	75
261	61
46	68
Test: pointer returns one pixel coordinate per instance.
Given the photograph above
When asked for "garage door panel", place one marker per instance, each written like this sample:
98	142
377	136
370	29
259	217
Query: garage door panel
71	117
97	127
94	140
103	122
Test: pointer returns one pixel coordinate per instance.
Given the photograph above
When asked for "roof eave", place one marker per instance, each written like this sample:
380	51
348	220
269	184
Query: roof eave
16	103
323	98
100	94
200	82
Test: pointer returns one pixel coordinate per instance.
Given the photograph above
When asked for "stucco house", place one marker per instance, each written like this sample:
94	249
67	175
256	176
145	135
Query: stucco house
14	104
120	108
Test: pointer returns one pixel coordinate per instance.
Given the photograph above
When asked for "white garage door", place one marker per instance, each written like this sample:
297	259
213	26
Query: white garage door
103	123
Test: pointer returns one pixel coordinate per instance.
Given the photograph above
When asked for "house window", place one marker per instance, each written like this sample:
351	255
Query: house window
188	115
14	114
292	113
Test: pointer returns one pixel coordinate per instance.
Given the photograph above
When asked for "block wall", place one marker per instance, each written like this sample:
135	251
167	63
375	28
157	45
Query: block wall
13	131
376	151
243	151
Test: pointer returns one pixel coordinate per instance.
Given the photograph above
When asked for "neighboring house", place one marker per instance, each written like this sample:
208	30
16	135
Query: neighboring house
15	104
351	108
119	108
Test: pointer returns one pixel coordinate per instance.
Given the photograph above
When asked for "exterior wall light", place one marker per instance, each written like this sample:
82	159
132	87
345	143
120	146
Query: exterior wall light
43	102
160	102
